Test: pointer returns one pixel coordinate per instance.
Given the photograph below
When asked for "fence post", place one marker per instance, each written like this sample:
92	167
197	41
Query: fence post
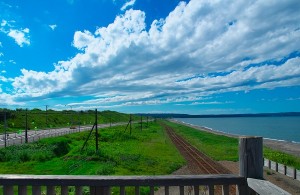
130	123
251	158
5	129
141	122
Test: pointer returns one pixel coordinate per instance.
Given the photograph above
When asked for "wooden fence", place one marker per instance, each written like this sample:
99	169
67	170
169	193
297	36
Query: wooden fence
249	181
104	184
283	169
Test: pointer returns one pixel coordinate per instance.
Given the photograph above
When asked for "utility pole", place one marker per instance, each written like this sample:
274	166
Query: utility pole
130	123
5	128
46	116
96	125
26	126
141	122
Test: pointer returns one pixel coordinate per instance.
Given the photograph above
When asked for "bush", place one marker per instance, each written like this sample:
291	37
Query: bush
24	156
106	169
61	148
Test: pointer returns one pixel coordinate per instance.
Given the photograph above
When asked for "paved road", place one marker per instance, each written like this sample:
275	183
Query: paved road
34	135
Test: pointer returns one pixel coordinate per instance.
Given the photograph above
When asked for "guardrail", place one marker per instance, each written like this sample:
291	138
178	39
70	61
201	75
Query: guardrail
104	184
283	169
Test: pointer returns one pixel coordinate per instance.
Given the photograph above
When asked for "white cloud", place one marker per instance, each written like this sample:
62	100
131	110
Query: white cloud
125	64
53	26
3	23
128	4
21	37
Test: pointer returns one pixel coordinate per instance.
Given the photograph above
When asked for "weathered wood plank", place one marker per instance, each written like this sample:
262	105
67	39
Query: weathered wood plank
151	190
181	190
196	190
225	190
8	190
36	190
167	190
22	190
211	190
241	189
168	180
265	187
78	190
64	190
137	190
50	190
122	190
251	157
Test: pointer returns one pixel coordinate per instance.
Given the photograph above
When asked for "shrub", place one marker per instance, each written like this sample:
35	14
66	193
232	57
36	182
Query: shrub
61	148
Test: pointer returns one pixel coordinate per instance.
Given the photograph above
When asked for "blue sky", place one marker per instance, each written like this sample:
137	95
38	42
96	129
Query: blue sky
151	56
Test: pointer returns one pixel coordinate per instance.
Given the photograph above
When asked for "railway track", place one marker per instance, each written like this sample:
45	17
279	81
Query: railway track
204	164
198	162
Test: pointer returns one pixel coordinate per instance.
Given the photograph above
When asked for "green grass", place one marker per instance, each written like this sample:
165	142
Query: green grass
217	147
40	119
146	152
282	158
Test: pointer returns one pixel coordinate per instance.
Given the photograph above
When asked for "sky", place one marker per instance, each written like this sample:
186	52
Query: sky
151	56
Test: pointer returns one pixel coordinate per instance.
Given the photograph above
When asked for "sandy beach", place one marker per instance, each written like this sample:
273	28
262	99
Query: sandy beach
284	146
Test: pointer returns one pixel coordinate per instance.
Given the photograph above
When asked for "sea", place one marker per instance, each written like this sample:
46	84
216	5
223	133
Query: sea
280	128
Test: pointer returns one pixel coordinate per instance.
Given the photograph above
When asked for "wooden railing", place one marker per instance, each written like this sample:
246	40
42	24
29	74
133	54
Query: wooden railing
104	184
250	180
283	169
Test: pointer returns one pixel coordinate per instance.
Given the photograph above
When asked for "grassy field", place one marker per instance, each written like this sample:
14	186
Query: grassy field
40	119
147	152
217	147
282	158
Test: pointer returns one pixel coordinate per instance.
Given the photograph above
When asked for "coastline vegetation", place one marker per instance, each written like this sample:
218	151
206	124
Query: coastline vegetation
281	157
220	147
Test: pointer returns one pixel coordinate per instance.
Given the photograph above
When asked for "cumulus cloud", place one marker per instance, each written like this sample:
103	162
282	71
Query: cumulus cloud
53	26
128	4
21	36
200	48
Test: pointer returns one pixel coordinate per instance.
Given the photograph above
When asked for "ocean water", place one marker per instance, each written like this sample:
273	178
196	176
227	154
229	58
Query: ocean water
278	128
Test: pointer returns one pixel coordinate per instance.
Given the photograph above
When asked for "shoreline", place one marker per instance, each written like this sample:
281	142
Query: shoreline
280	145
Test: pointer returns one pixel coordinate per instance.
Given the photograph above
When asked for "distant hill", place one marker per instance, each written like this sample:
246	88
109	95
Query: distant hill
39	119
171	115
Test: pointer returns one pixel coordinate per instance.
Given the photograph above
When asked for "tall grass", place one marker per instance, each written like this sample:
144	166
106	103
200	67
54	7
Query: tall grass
147	152
217	147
